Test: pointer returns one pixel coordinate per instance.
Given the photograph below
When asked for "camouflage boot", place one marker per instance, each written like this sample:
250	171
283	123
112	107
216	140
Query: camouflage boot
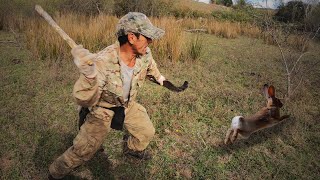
143	155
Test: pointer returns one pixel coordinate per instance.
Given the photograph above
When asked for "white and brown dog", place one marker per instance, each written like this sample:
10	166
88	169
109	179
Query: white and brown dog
266	117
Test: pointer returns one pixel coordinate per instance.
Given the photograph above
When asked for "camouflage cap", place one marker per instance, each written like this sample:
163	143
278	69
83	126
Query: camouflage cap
138	23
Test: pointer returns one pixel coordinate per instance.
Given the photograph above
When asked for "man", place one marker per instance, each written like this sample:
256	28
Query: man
108	85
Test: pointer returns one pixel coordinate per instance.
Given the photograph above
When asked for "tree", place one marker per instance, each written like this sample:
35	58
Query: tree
148	7
227	3
296	67
312	20
242	3
87	7
293	11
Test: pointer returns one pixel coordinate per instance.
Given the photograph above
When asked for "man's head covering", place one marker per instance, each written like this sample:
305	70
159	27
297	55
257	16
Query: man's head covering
138	23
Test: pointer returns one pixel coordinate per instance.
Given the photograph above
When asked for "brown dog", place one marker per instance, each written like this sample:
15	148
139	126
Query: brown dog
266	117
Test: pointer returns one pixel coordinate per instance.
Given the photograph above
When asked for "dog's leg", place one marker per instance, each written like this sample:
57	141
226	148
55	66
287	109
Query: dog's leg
227	139
234	135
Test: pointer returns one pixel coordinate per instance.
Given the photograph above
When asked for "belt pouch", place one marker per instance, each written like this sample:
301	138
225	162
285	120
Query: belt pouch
118	118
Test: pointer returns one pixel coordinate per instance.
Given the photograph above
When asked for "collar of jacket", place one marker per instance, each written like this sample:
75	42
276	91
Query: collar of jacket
116	85
138	64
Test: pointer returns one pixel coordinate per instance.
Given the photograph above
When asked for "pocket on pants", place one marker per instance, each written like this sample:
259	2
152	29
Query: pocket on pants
84	146
142	109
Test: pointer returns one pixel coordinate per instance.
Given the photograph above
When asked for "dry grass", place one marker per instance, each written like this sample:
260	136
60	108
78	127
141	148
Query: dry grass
96	33
229	30
286	40
299	42
250	30
171	46
224	29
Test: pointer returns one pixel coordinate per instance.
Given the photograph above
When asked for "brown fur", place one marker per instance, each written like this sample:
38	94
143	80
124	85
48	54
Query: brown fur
266	117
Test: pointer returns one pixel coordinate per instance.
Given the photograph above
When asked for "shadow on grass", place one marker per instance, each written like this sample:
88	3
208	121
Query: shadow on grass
100	166
256	138
52	144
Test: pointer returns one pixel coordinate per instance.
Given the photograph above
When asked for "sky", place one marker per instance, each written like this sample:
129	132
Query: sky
262	3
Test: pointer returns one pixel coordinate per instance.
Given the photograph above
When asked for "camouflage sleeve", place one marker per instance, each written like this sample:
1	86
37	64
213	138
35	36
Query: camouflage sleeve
86	91
152	68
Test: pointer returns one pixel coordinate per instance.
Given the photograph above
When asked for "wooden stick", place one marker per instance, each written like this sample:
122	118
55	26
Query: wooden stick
56	27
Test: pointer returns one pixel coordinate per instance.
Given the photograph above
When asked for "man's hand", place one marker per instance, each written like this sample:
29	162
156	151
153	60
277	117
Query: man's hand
161	79
84	61
166	83
174	88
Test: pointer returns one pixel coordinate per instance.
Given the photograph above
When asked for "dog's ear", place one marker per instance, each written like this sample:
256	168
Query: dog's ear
265	90
271	91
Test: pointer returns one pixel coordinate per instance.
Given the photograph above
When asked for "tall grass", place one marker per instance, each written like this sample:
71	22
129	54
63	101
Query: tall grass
225	29
171	46
250	30
17	22
195	47
92	32
97	32
285	39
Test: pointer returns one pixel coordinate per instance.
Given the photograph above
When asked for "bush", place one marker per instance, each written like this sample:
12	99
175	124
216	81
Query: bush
227	3
235	15
293	11
312	19
87	7
148	7
186	13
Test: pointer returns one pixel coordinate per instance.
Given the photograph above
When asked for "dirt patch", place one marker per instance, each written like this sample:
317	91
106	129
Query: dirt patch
6	162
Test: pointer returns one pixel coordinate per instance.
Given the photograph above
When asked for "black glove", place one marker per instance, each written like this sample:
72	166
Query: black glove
118	118
169	85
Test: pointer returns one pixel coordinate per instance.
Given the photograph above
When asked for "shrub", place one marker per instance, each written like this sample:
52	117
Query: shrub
312	19
148	7
87	7
195	47
293	11
235	15
227	3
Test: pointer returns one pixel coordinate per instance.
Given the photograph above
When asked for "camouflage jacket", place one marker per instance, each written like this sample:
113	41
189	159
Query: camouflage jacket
105	90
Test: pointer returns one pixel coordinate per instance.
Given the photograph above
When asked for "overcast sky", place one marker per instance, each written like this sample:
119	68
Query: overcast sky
262	3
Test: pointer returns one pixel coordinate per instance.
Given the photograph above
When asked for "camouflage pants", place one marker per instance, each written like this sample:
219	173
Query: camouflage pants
93	132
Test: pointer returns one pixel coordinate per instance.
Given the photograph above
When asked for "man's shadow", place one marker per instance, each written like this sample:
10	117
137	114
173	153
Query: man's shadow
100	166
52	144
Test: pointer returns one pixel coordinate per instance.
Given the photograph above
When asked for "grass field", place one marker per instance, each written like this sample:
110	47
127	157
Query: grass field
39	118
